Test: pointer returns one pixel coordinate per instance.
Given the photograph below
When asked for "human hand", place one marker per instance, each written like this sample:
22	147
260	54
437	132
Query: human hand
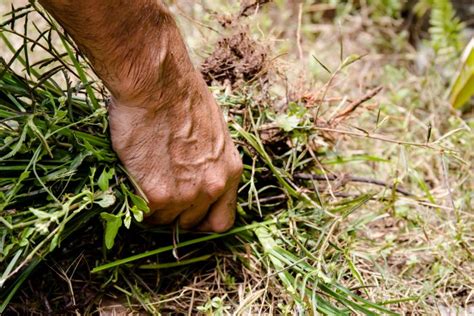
177	147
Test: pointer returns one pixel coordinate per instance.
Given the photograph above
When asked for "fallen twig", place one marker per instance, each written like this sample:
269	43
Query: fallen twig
376	137
349	178
354	105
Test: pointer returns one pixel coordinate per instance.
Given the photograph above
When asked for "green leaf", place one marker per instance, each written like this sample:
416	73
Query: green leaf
462	89
350	60
82	74
322	65
25	236
104	179
287	122
40	214
139	202
112	226
106	200
297	109
180	245
24	175
137	214
128	220
10	266
54	243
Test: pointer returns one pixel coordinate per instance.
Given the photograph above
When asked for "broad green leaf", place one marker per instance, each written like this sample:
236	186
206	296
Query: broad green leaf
139	202
462	89
104	179
137	214
112	226
24	175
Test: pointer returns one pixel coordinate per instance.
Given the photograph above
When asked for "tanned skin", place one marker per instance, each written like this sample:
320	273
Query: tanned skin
165	125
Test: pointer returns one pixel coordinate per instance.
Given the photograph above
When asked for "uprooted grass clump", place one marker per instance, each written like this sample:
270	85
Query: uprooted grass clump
236	59
309	237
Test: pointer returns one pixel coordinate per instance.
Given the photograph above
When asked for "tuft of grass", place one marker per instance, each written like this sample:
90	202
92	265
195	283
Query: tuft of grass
58	169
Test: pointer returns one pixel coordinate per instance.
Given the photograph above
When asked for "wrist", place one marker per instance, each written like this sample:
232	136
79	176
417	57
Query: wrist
161	72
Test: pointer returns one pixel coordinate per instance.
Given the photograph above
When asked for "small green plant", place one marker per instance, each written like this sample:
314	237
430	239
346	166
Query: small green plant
215	306
445	29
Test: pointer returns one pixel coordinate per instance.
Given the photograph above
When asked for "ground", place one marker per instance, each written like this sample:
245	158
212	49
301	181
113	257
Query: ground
358	176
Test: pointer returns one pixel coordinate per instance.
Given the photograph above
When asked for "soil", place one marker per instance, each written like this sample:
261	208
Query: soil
236	58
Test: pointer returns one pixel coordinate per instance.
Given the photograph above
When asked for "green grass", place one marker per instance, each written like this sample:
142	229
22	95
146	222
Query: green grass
330	245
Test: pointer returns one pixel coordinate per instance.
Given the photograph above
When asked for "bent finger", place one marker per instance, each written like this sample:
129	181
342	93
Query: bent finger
221	216
193	215
164	216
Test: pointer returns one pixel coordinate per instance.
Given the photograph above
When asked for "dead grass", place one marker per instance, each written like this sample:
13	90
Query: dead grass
406	248
413	250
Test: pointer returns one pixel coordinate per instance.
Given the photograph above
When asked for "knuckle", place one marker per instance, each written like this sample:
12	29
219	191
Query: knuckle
186	196
215	188
158	198
237	169
179	197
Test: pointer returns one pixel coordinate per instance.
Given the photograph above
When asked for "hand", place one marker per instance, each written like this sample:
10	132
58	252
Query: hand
177	147
166	127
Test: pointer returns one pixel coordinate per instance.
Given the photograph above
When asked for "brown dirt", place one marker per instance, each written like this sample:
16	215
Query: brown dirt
236	58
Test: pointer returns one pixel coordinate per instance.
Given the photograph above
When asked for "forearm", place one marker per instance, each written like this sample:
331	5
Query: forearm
134	46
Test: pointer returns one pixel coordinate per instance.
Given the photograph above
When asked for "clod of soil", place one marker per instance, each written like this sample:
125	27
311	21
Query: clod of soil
237	58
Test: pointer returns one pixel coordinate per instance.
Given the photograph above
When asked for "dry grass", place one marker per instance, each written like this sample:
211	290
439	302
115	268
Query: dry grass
413	250
404	248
